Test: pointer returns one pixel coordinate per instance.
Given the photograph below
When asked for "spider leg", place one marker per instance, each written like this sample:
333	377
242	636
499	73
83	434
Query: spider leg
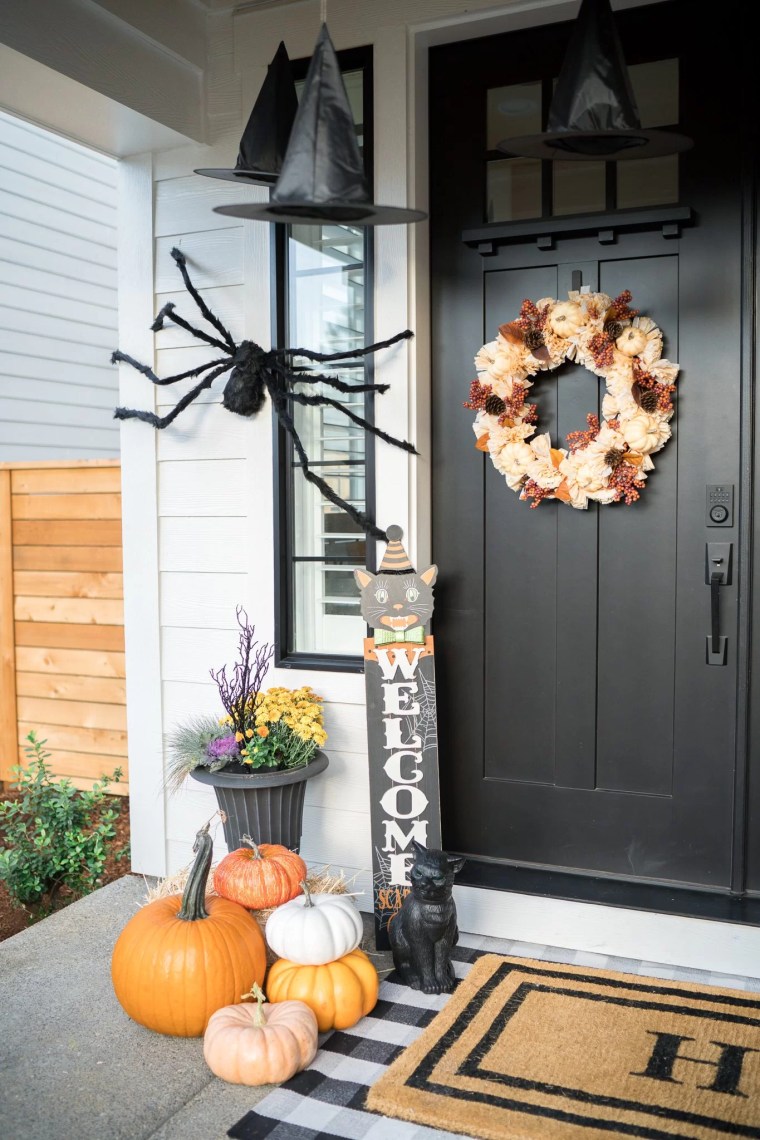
117	357
164	421
319	378
181	261
325	489
355	353
168	311
325	401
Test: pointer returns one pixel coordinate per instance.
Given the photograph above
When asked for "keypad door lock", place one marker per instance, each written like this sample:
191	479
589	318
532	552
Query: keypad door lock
719	507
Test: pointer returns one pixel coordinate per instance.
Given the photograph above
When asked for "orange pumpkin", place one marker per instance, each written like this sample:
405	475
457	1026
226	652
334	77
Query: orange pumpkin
260	876
340	993
181	958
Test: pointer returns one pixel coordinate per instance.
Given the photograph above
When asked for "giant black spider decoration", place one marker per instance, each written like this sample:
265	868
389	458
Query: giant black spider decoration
254	372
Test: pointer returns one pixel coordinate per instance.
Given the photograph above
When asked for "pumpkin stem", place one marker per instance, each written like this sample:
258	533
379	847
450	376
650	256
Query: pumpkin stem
306	892
257	993
194	896
256	853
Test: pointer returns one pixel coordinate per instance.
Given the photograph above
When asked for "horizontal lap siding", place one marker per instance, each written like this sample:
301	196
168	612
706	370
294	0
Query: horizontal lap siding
58	297
201	473
206	550
65	617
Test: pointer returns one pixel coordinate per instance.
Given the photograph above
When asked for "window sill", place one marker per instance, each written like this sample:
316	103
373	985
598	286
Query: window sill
328	663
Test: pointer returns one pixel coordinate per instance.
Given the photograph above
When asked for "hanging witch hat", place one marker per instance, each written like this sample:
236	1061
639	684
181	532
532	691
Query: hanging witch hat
593	115
265	138
322	177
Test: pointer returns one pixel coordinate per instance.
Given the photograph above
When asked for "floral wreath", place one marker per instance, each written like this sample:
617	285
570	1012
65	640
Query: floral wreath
609	461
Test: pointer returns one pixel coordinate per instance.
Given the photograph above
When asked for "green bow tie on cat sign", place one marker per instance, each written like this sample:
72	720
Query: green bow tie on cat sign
397	601
402	723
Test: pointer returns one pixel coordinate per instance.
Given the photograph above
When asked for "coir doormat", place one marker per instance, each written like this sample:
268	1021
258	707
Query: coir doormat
538	1051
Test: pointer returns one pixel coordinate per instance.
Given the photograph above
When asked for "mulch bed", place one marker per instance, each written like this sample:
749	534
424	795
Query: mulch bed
14	918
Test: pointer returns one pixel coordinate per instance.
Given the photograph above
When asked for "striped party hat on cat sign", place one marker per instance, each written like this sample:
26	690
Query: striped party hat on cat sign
395	560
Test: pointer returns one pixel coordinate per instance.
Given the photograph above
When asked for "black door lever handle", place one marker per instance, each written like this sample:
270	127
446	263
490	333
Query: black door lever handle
715	582
717	573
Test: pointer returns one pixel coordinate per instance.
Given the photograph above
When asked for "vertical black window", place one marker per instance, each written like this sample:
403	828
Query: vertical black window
324	302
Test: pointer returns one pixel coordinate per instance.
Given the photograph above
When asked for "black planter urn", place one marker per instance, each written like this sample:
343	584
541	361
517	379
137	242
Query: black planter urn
266	805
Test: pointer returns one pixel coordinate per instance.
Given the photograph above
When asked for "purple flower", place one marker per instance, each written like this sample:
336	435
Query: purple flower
224	748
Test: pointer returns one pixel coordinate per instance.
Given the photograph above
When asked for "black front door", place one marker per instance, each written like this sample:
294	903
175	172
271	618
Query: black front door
581	726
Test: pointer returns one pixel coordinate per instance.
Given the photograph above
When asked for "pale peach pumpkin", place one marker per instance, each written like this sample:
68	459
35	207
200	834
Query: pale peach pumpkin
260	1044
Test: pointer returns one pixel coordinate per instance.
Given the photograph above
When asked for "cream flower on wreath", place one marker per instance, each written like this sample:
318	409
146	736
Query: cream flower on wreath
542	469
589	466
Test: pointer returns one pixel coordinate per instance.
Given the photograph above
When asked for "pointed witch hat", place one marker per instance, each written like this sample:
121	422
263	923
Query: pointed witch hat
322	177
395	560
265	138
593	115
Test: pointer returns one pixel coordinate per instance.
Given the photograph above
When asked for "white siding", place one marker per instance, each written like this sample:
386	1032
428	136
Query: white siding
58	297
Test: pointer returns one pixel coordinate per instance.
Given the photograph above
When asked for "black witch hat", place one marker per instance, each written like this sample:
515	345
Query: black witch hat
322	177
593	115
265	138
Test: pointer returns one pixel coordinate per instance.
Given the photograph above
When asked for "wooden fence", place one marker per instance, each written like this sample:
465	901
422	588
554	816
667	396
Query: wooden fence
61	617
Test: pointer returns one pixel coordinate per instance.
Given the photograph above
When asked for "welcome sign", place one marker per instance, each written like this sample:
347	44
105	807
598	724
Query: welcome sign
399	672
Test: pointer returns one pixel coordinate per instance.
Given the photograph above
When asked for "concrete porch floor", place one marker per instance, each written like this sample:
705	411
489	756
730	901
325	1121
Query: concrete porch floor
74	1067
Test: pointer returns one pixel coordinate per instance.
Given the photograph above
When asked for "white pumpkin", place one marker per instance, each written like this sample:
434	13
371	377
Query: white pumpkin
644	433
632	341
314	929
566	318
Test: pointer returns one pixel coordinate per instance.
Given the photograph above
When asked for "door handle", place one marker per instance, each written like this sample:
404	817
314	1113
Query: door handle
717	574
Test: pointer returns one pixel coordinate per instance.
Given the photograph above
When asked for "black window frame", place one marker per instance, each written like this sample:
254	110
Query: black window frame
285	559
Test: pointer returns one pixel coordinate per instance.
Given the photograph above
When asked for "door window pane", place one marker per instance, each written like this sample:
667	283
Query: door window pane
652	181
514	189
513	111
579	187
655	86
647	181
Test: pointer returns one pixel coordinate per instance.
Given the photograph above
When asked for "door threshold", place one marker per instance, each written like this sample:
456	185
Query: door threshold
686	902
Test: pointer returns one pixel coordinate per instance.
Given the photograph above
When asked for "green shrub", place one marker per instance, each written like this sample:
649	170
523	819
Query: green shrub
52	835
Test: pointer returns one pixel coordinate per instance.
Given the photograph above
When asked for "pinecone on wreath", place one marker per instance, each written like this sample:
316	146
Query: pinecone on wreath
534	339
649	400
494	405
614	329
613	458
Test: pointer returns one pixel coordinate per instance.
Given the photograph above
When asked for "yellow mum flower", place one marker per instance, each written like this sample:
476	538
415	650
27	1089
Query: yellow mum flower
238	736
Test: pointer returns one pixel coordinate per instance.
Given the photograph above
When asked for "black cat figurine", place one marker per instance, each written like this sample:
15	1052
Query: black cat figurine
424	931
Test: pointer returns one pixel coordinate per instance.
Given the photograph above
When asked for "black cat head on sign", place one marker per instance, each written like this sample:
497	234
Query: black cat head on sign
397	598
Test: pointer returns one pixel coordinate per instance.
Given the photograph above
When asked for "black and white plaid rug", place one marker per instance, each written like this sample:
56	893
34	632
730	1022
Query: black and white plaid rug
326	1101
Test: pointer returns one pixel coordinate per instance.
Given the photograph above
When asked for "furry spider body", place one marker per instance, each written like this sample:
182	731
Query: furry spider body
254	373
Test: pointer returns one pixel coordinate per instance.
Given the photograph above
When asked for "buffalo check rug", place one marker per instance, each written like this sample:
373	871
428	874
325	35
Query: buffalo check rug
468	1095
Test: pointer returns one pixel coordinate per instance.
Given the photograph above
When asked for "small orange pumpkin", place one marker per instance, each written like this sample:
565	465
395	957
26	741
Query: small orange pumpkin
340	993
260	876
260	1044
176	962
